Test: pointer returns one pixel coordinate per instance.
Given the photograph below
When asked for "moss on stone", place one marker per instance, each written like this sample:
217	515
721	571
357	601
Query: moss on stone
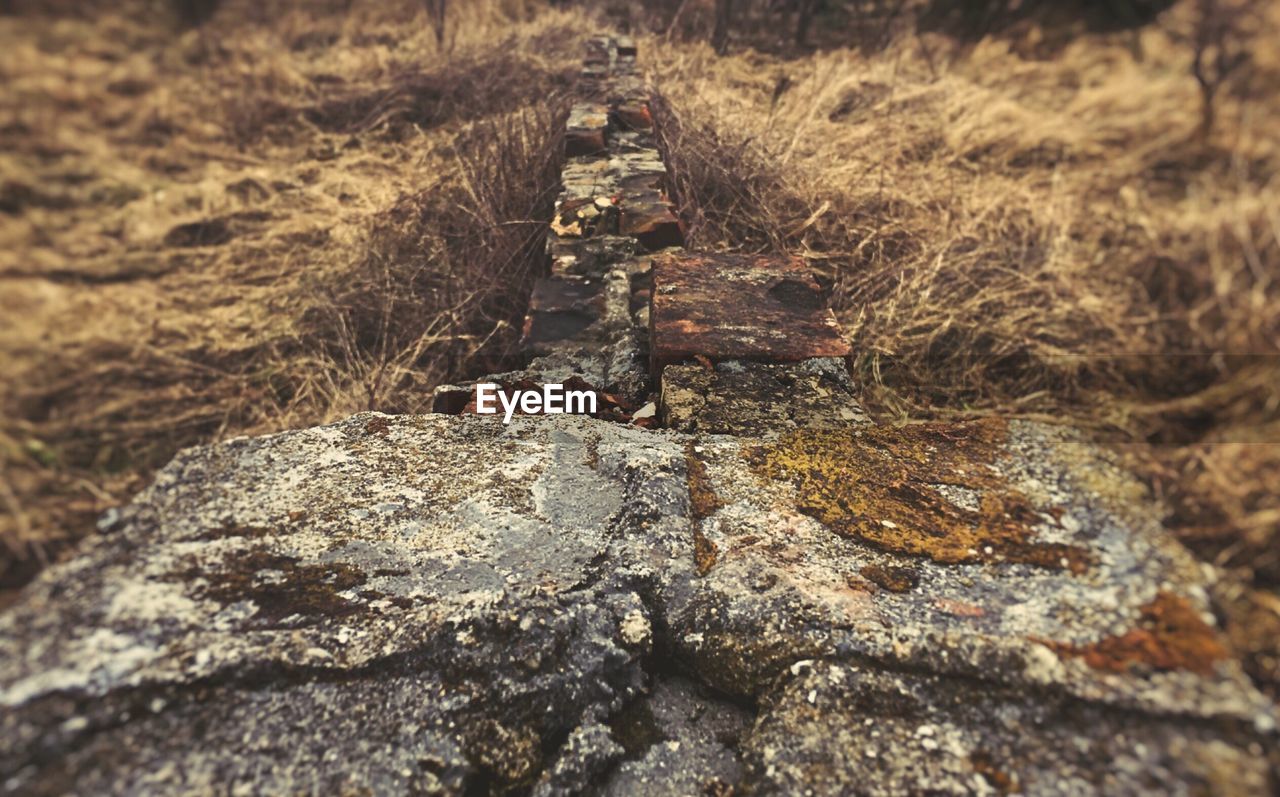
308	590
1169	635
702	498
893	579
879	485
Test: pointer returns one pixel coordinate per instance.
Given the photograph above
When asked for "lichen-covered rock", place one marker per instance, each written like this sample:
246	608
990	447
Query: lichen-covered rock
828	725
446	604
382	604
1008	552
678	740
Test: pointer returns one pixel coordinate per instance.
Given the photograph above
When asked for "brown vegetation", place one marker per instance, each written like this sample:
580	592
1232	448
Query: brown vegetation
284	215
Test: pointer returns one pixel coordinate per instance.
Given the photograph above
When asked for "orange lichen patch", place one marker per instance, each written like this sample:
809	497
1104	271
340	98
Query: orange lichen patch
702	498
705	552
1169	636
985	766
879	485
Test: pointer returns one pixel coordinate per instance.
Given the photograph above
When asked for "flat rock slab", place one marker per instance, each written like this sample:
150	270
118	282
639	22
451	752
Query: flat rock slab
392	604
382	605
758	399
562	309
832	724
1010	552
738	307
651	222
585	130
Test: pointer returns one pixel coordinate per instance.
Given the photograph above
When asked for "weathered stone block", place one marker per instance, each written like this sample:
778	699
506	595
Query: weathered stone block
641	161
833	725
585	130
626	46
633	116
652	223
738	307
561	309
623	141
585	217
347	609
598	49
593	257
758	399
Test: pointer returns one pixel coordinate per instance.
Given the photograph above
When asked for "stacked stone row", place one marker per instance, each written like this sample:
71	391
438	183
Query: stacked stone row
731	344
586	321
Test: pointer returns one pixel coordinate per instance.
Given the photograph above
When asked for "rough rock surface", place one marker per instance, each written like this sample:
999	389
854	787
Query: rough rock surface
446	604
834	724
383	604
748	398
738	307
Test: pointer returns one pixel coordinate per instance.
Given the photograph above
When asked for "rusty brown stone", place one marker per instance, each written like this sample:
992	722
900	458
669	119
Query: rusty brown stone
584	141
451	399
738	307
1169	635
651	223
633	115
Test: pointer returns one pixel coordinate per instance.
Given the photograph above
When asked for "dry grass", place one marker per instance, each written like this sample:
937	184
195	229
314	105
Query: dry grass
290	214
1013	228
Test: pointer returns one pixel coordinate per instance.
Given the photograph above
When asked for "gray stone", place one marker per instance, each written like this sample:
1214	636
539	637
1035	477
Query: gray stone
681	740
1031	557
380	604
444	604
592	257
835	724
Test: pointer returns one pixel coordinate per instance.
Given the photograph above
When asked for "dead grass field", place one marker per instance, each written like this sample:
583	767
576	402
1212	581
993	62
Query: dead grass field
298	212
288	215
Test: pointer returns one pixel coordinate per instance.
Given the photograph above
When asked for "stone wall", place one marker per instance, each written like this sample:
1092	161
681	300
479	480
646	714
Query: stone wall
746	588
